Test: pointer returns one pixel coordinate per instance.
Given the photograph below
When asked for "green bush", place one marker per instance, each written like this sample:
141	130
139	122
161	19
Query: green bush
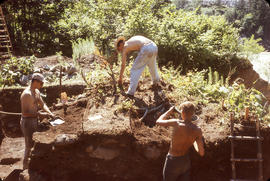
250	46
197	41
194	86
239	98
14	68
186	38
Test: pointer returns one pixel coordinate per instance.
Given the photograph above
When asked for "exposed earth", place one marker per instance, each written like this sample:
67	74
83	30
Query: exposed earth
103	138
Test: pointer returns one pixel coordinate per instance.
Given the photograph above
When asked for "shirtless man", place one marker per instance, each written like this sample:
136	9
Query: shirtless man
147	56
184	135
30	100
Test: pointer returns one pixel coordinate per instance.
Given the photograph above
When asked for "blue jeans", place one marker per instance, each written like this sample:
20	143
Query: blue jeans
176	168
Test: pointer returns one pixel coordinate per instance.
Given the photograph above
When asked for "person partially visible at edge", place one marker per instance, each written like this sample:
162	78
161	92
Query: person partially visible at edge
147	56
30	103
184	135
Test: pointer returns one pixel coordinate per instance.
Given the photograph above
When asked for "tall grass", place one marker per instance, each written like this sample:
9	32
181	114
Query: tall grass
82	47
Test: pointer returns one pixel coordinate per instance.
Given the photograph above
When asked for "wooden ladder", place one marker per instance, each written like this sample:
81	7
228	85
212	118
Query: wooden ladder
259	159
5	43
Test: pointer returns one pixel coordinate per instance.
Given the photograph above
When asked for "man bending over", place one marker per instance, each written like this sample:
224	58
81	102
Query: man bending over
147	56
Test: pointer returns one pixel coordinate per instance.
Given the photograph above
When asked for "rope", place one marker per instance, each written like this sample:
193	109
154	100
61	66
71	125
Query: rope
10	113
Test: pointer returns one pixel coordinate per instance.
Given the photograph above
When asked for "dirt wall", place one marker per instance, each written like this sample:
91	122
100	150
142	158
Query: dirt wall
122	158
10	101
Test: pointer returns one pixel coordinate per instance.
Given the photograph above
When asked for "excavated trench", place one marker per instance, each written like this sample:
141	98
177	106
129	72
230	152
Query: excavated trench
10	102
122	157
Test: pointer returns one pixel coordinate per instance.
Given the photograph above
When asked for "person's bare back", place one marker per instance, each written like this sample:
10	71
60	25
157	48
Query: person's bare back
183	137
135	43
147	55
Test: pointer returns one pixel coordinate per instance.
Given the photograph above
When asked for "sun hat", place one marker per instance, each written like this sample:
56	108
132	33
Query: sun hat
38	76
120	38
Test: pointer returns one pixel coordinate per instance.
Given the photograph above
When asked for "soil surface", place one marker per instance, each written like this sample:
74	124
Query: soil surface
104	138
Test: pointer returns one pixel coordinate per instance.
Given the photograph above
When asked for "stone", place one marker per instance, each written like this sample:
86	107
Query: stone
71	70
89	149
54	68
46	67
65	139
104	153
152	152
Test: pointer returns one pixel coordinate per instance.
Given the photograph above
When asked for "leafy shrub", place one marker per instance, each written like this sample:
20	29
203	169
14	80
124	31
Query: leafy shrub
98	75
197	41
250	46
239	98
194	86
14	68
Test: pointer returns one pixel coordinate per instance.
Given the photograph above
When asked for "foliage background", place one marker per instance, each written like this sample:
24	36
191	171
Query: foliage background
190	36
190	39
188	32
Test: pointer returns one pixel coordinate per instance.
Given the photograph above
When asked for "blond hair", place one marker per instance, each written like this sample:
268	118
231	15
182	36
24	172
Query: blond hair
188	108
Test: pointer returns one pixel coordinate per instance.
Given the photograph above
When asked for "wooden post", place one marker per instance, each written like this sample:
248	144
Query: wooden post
232	147
60	80
259	154
246	113
63	95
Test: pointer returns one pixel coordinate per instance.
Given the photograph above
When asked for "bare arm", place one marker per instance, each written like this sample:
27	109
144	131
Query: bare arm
123	66
43	105
162	120
199	145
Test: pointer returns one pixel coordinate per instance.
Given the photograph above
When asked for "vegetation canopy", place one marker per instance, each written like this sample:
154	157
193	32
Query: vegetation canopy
187	38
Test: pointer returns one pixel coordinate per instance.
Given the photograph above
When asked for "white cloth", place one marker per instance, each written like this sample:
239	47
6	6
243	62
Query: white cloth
147	56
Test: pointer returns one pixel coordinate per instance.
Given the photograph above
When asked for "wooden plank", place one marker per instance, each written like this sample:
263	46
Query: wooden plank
232	146
246	160
242	180
8	46
4	54
259	154
246	137
4	41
